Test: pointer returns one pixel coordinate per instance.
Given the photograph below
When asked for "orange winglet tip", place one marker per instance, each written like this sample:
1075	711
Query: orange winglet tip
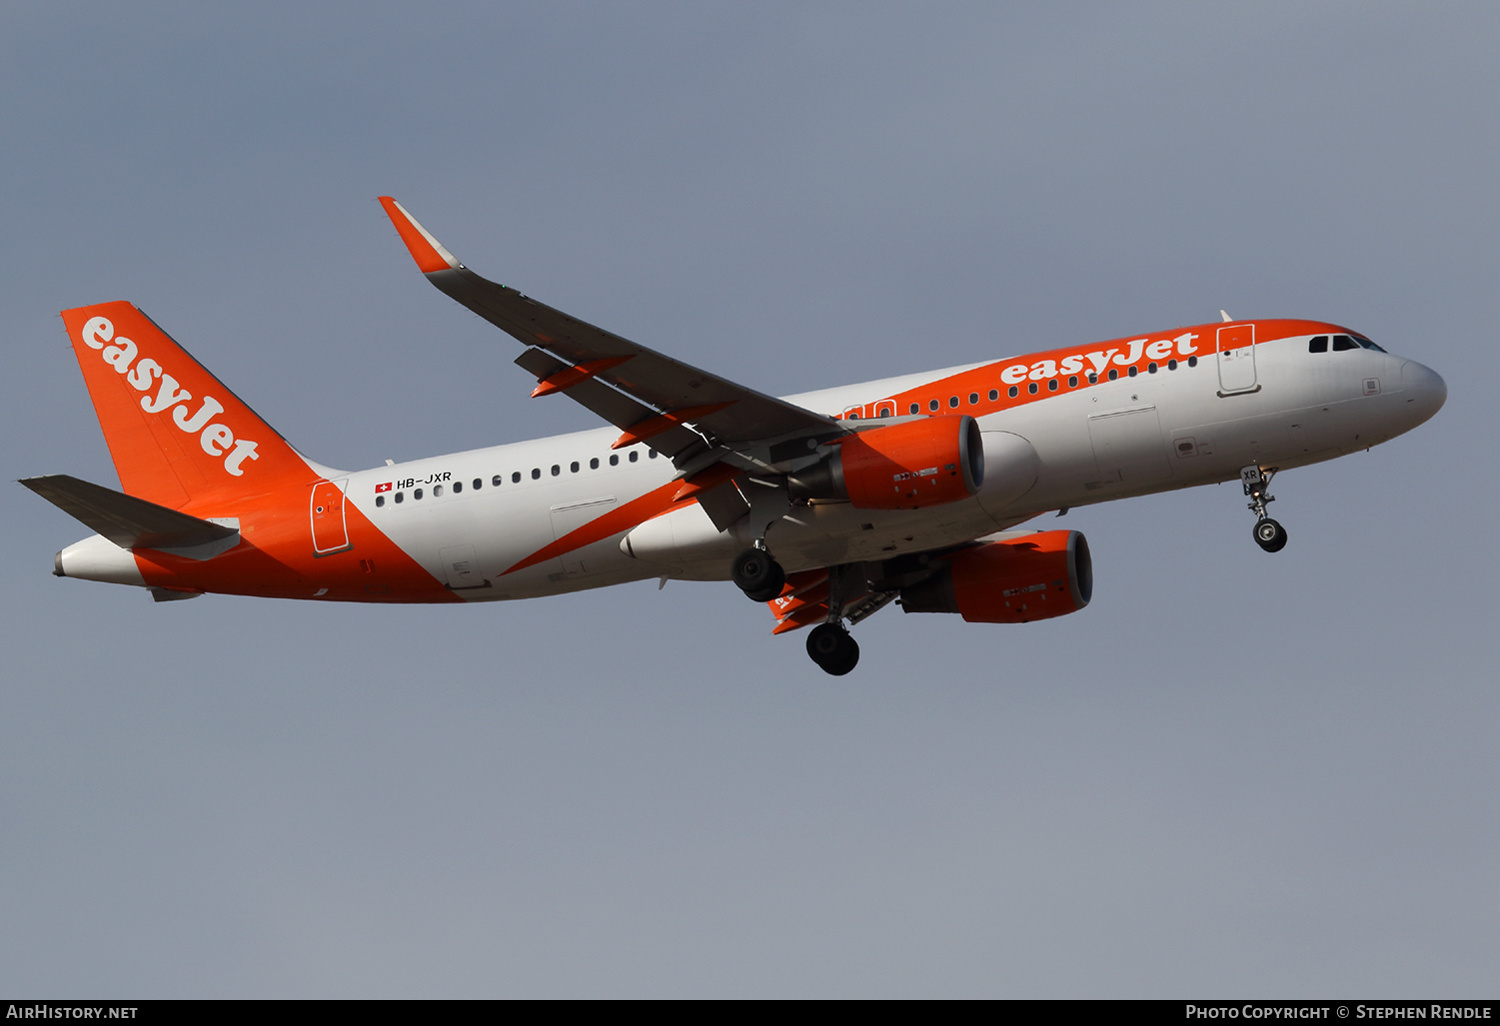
653	426
425	250
570	376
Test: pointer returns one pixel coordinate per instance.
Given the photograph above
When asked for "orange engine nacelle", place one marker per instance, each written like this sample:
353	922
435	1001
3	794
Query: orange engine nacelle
920	463
1033	577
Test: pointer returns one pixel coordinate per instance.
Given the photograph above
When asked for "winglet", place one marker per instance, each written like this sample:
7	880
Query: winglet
425	250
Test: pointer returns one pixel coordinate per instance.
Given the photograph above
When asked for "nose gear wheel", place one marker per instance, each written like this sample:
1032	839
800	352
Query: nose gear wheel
1268	534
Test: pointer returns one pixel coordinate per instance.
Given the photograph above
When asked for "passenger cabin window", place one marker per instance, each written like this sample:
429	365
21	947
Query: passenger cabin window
634	455
458	486
398	497
1318	345
915	408
536	473
573	467
994	394
380	500
515	478
614	459
594	463
416	493
479	482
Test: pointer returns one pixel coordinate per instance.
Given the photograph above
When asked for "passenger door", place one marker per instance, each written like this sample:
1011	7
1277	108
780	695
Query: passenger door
1237	359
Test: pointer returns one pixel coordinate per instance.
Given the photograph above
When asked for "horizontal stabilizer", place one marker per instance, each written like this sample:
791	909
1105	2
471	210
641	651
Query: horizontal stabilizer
129	522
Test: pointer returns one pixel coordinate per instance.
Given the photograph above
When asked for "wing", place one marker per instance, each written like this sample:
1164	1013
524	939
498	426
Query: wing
693	417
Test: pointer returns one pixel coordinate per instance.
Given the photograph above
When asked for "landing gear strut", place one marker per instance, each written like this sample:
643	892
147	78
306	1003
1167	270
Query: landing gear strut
1269	535
758	575
833	648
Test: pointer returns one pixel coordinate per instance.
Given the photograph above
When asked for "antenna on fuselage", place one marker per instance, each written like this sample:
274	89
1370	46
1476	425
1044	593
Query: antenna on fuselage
1226	316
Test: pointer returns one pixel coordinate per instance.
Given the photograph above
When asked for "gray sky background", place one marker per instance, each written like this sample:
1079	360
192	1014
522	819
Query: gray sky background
1231	775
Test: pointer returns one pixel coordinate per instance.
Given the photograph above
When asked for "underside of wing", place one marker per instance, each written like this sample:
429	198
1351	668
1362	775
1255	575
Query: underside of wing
686	413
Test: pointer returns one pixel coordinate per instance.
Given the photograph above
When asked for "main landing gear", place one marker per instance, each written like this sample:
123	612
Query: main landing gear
833	648
1269	535
829	644
758	575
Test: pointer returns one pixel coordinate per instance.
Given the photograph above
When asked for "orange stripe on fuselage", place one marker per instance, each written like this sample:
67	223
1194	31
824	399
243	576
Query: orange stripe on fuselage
1046	367
275	559
636	511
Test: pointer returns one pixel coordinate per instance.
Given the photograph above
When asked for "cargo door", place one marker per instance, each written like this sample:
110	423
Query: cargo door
571	516
1128	446
461	569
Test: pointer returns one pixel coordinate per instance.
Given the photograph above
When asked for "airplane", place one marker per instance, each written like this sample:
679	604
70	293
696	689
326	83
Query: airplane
825	506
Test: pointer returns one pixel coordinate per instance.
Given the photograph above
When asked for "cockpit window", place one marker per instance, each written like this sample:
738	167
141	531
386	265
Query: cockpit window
1318	345
1341	343
1367	343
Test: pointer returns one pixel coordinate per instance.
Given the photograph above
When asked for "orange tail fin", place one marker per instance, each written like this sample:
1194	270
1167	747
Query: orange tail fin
176	434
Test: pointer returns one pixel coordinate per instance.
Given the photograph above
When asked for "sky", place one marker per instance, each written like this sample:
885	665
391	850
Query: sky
1231	775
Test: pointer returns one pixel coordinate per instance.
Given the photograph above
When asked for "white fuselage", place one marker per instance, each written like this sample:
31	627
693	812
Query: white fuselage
1140	434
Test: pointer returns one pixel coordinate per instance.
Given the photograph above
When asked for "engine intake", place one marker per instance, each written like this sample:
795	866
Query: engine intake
1033	577
926	462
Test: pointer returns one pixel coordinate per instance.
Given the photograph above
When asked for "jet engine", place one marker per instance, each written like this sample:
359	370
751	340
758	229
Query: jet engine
920	463
1031	577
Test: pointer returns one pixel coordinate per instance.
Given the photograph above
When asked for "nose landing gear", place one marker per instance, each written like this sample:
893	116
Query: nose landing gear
1268	534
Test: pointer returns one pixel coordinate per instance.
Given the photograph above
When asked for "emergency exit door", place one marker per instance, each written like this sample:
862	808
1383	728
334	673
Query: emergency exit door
330	532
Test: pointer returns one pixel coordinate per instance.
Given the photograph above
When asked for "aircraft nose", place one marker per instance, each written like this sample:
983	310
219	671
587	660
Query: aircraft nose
1424	390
